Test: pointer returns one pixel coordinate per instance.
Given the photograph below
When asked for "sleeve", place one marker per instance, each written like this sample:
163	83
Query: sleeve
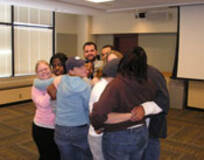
106	104
40	98
162	95
162	100
151	108
52	91
42	84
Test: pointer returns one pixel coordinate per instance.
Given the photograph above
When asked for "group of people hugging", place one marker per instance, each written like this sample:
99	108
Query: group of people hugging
111	106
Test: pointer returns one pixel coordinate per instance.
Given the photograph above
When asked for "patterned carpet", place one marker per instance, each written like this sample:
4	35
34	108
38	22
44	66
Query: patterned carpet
185	134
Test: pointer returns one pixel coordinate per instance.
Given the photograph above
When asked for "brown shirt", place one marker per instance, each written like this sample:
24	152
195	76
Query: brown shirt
121	95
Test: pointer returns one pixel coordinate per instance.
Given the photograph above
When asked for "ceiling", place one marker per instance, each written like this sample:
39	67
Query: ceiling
123	5
85	7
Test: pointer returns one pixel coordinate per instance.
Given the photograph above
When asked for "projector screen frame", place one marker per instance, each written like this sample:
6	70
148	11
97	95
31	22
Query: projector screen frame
175	74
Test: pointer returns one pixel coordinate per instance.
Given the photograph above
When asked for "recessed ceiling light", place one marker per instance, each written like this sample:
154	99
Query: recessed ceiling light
100	1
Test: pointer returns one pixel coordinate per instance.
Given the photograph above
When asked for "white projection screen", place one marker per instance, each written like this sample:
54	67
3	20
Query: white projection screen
191	43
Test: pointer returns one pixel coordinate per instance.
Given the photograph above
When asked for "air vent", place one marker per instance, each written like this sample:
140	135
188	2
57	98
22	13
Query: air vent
154	15
158	16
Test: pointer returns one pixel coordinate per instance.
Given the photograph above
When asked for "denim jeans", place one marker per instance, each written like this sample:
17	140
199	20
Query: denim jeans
95	143
73	142
126	144
152	152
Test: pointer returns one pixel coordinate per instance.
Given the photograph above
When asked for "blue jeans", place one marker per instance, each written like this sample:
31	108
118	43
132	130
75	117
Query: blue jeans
72	142
152	152
126	144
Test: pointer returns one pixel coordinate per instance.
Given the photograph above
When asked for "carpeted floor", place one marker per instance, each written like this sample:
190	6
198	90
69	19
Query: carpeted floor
185	134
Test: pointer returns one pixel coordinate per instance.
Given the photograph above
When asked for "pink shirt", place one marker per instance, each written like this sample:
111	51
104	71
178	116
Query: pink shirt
44	115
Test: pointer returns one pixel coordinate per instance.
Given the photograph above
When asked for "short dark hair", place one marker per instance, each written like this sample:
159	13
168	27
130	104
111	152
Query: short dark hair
90	43
110	69
134	64
62	57
108	46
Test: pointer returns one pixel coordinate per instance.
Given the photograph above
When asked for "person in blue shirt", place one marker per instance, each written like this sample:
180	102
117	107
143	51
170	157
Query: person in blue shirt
72	112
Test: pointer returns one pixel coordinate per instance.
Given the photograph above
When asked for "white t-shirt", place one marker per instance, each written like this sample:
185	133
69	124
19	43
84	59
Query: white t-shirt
95	95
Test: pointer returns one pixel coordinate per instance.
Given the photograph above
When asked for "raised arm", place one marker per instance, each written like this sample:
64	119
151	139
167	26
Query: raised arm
52	88
42	84
52	91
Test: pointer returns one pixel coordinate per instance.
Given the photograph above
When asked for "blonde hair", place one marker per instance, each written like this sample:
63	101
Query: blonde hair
114	52
41	62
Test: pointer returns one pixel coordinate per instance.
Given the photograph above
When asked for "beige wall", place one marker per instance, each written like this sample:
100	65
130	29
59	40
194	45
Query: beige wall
66	23
84	27
70	26
66	33
160	50
196	94
102	40
66	43
127	23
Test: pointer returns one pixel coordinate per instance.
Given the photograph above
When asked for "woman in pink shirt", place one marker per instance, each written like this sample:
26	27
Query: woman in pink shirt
44	119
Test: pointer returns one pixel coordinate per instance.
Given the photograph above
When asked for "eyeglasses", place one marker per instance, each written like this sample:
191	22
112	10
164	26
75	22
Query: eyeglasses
43	70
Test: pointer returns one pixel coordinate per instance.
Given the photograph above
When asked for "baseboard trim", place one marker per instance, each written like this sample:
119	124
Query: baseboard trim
15	103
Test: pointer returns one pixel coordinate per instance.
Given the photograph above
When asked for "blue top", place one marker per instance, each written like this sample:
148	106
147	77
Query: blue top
42	84
72	101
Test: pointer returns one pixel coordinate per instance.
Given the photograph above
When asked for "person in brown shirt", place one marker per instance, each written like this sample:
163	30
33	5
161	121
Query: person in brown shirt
131	87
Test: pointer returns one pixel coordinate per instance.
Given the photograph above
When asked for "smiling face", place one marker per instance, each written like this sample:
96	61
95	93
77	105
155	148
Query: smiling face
90	52
58	68
43	71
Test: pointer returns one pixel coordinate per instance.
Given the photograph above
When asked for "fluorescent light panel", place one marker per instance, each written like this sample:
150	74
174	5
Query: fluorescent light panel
99	1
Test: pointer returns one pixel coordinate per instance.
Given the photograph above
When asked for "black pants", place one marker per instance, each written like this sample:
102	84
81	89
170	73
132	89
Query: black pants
44	139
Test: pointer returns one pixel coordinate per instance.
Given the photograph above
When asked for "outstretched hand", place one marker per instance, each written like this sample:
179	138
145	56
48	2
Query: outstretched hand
138	113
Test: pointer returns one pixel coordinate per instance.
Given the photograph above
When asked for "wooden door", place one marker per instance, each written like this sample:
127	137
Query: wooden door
125	42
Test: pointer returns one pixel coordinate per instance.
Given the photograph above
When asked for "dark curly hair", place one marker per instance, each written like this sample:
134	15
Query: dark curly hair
62	57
